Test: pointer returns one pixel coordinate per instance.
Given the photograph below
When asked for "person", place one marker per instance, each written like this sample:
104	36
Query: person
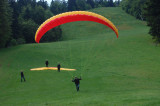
58	67
22	76
47	63
76	80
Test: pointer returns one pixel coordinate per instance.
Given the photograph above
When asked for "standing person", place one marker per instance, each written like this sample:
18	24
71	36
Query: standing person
22	76
77	82
58	67
46	63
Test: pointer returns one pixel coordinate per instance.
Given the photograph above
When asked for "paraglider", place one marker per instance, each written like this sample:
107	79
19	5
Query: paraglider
51	68
72	17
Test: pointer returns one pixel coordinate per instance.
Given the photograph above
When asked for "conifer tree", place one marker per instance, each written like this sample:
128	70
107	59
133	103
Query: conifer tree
111	4
152	14
71	5
5	22
91	2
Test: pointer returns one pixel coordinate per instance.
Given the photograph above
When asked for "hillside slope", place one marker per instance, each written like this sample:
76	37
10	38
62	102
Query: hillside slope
123	71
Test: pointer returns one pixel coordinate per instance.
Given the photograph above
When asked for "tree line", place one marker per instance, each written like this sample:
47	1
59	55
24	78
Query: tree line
145	10
58	6
134	7
21	18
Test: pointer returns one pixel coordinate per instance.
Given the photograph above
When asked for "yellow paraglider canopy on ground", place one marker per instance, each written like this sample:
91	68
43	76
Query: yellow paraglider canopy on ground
51	68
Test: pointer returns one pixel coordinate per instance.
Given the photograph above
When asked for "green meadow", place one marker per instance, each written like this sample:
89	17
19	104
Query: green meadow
122	71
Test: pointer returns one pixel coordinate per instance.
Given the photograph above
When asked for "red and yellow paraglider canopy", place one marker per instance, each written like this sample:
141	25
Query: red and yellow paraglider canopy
72	17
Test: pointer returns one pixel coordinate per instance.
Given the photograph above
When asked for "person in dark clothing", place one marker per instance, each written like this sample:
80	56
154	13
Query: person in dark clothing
46	63
58	67
76	80
22	76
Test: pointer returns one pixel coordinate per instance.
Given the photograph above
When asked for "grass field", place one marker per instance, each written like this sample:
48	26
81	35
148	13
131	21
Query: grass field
115	72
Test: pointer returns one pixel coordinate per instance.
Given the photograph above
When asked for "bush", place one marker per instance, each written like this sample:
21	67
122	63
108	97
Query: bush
21	41
12	42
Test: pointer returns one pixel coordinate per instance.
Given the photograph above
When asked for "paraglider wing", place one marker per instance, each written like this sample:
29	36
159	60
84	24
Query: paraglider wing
51	68
72	17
